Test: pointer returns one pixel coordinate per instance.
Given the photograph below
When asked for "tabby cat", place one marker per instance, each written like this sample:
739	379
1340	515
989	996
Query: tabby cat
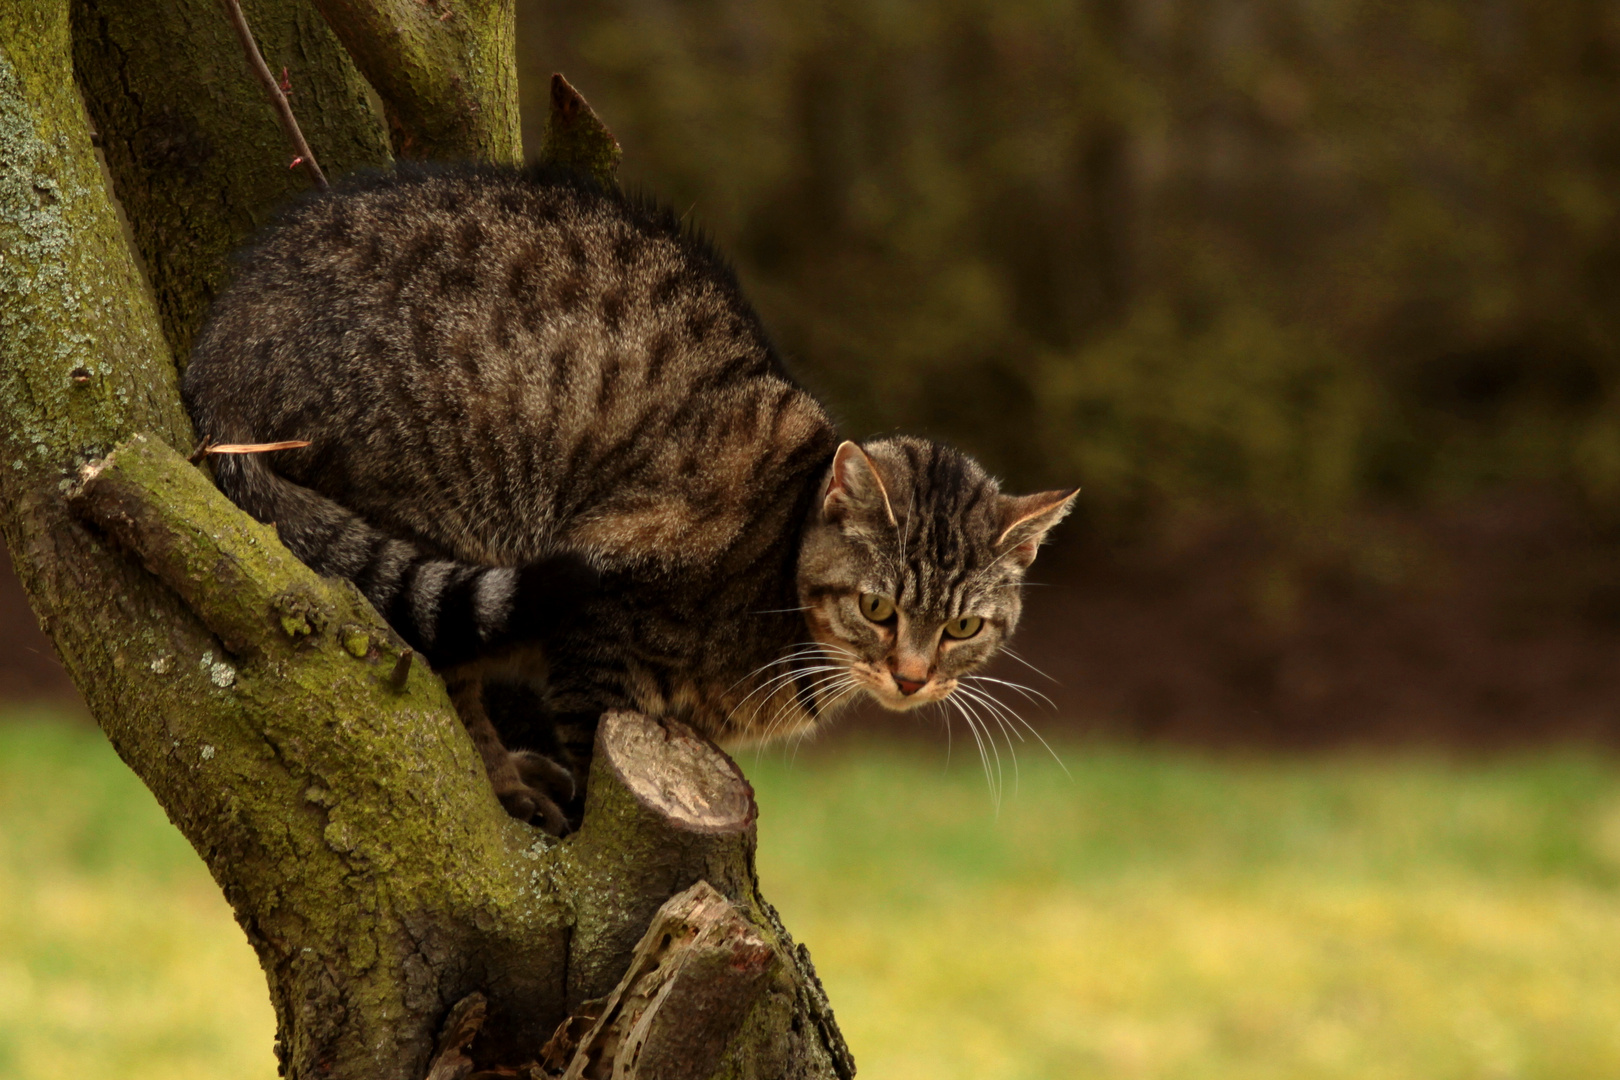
552	444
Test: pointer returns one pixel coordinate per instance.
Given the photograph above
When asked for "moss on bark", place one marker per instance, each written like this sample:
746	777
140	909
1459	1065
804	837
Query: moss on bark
447	73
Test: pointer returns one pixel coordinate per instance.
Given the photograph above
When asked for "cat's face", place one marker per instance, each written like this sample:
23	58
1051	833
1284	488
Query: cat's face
910	569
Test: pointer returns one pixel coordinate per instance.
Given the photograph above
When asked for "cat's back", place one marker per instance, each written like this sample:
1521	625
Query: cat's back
495	361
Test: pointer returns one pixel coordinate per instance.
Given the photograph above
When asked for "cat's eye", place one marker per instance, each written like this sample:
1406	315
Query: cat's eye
964	627
877	607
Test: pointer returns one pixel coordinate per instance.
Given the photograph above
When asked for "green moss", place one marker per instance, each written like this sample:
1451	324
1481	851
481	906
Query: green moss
445	72
68	287
356	641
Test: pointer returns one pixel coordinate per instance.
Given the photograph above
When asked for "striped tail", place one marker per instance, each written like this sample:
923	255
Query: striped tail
450	612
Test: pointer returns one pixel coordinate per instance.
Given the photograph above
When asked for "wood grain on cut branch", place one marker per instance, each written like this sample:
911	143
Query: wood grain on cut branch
696	973
667	812
664	809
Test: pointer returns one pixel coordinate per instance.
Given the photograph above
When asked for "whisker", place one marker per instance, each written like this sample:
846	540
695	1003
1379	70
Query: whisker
1029	692
1013	715
783	710
984	758
945	714
1001	783
777	680
994	706
803	650
1027	664
998	712
805	733
824	675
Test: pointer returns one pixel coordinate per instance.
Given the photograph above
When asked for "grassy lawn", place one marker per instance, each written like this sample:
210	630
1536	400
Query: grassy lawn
1155	915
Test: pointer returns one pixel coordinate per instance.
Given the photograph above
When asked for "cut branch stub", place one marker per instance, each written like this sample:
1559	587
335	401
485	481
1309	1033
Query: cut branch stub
665	808
576	138
677	775
696	973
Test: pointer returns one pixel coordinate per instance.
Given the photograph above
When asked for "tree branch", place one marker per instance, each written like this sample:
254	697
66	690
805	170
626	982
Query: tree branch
328	784
402	798
695	974
197	161
445	71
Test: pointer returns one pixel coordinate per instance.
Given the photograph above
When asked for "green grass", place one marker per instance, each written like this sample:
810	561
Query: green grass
118	957
1155	915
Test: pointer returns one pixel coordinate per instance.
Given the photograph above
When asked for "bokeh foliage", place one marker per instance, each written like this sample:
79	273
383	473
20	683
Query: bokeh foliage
1291	256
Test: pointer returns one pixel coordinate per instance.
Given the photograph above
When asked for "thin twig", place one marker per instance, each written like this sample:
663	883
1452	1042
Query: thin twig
303	155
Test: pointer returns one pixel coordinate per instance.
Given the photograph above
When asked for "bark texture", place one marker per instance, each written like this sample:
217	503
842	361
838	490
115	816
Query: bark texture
197	157
446	70
404	922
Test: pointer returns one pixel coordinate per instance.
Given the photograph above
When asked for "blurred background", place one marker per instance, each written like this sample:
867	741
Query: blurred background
1319	302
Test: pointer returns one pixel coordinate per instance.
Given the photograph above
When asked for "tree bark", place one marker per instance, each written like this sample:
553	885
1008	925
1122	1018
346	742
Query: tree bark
329	786
446	70
197	157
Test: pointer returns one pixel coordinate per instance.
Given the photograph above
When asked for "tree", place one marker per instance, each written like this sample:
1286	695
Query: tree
407	926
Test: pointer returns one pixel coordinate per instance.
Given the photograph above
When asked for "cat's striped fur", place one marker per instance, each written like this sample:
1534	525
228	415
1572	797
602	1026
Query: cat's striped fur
547	431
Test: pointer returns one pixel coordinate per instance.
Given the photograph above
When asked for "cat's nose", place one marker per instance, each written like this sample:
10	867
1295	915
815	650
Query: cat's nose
909	686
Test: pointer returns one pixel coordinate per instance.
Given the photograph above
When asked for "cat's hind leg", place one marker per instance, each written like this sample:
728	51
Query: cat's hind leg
520	782
544	757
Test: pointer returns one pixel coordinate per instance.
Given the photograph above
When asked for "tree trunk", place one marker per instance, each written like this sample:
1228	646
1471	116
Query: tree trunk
405	924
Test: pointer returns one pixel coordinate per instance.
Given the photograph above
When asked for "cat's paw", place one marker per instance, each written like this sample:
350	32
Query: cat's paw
537	792
534	807
539	771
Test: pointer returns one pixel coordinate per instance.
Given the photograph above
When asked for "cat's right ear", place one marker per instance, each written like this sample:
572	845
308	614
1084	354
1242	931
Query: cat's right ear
1026	519
855	487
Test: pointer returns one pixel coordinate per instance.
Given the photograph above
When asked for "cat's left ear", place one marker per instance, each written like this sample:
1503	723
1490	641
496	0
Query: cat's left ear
854	486
1026	519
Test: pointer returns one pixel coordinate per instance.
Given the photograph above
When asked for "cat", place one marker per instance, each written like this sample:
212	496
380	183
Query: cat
551	442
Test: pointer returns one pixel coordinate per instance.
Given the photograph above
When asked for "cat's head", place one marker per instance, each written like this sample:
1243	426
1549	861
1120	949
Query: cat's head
911	563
